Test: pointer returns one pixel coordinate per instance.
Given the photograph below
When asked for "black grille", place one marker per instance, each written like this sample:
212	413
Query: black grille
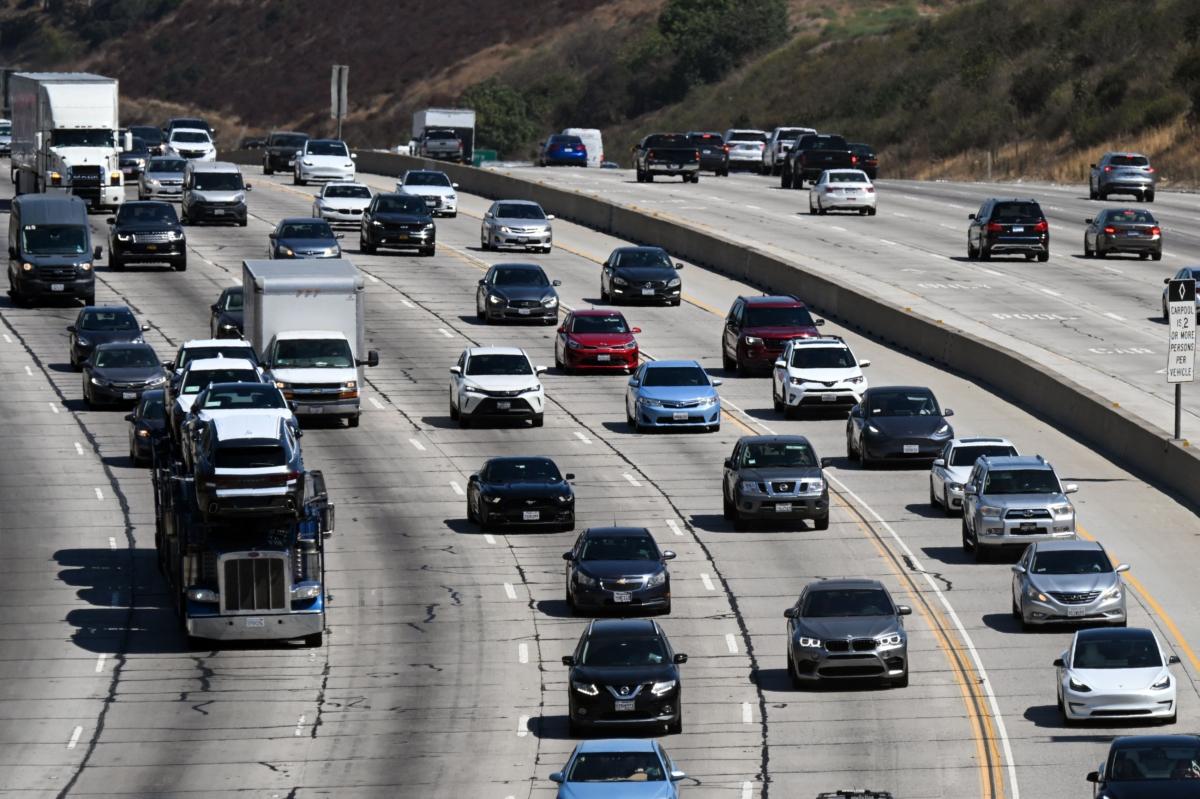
783	488
1068	598
863	644
653	284
850	671
85	176
632	584
837	646
683	404
524	303
56	272
255	584
1027	513
487	393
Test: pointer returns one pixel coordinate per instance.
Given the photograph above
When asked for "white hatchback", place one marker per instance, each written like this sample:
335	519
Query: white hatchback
842	190
817	373
496	383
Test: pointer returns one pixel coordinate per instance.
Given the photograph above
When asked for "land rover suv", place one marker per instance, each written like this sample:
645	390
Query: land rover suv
1009	501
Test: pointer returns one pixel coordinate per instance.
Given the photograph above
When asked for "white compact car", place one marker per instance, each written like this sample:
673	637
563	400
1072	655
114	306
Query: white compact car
323	159
1112	673
191	143
342	203
950	470
496	383
842	190
440	194
817	373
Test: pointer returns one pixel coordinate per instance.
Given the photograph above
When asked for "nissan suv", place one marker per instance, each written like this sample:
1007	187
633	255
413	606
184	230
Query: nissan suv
1010	501
774	477
1008	227
1122	173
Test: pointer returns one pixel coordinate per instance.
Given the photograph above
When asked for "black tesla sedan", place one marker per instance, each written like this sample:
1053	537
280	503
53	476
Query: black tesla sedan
624	673
120	373
618	568
897	423
519	492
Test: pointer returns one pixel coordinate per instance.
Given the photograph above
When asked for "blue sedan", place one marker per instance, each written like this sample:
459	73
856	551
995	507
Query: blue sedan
628	768
304	237
672	394
560	150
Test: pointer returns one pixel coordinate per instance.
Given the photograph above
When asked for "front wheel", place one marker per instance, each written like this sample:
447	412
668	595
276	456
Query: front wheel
267	169
314	640
364	247
821	522
116	264
180	265
539	420
353	420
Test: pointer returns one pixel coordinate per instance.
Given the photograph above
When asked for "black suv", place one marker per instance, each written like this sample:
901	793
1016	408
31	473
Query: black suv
624	673
811	155
248	464
1001	227
280	150
398	220
146	231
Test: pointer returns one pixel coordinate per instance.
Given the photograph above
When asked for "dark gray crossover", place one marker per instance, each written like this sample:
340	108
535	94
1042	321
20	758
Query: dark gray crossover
897	423
774	478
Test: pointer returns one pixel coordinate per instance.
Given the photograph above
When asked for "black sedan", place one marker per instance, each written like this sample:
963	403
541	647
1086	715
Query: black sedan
517	292
101	324
624	673
897	423
618	568
520	492
304	237
148	427
120	373
146	231
133	160
226	319
398	220
1150	767
644	274
1130	230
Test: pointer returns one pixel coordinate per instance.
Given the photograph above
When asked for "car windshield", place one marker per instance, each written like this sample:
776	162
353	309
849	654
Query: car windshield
778	317
401	204
305	230
667	140
166	165
82	138
292	141
147	133
1129	160
530	470
847	177
822	358
619	547
360	192
199	379
616	767
190	136
54	239
242	457
327	148
108	321
218	181
1174	760
626	258
903	403
1117	652
828	603
200	353
440	134
1129	216
747	136
675	376
514	276
152	406
233	301
142	213
5	130
244	395
498	364
126	358
1071	561
623	652
778	455
519	211
1021	481
1016	212
187	122
966	456
599	324
426	179
329	353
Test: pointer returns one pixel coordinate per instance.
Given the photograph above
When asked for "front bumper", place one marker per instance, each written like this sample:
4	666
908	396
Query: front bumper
508	313
1144	704
1137	244
525	240
995	531
818	396
1052	611
814	664
384	237
601	359
262	627
133	251
600	710
611	595
280	161
782	506
161	192
903	450
335	216
477	406
217	213
66	287
111	393
324	173
634	293
517	514
337	408
651	416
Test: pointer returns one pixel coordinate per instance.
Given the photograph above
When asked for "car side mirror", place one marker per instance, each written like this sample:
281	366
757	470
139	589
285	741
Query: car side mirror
939	462
1058	662
292	406
970	216
790	613
249	187
555	282
1093	166
12	252
483	281
780	364
903	610
569	476
145	328
947	412
668	555
676	776
863	364
488	215
214	307
97	253
1172	660
818	322
1121	569
682	658
556	776
1070	488
129	417
568	660
717	381
456	370
635	330
541	370
550	217
271	236
372	358
633	381
455	185
678	266
168	365
299	433
729	463
1088	221
1093	776
353	156
969	488
1165	279
339	235
71	329
568	556
112	220
1017	568
826	462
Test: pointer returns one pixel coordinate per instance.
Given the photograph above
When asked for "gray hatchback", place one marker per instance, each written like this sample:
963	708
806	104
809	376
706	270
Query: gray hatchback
1122	173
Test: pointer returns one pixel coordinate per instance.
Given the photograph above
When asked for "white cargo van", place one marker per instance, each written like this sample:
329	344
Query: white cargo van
593	141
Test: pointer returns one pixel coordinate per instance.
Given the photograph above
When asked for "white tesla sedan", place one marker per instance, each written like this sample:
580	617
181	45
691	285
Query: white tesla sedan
1111	673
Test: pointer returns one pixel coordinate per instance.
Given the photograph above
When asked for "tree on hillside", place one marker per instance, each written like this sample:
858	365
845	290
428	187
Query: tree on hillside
712	37
502	115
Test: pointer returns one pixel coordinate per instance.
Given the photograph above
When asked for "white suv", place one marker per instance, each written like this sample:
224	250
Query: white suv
817	372
496	383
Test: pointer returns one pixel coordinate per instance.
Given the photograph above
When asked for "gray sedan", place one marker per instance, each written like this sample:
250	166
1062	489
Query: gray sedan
162	179
516	223
1067	581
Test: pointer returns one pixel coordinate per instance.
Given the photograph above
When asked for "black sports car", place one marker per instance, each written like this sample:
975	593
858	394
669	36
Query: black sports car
897	423
521	491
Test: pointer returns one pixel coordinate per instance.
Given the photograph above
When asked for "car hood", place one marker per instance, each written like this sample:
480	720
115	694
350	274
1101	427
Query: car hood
306	244
840	627
1025	500
316	374
609	569
234	317
1073	583
402	219
163	176
502	382
625	675
771	475
602	339
218	196
130	374
677	393
640	273
523	292
823	375
144	227
959	474
921	426
626	790
223	413
778	331
1144	789
518	222
427	191
328	160
1101	680
98	337
529	489
344	202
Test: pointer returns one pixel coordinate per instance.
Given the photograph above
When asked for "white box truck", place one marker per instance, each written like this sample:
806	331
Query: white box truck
65	133
459	120
305	319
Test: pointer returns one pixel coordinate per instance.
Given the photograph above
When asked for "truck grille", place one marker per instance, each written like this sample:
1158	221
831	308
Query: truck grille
1028	513
151	238
254	584
85	177
65	272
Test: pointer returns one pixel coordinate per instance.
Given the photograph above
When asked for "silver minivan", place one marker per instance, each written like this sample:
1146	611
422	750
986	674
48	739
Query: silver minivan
213	191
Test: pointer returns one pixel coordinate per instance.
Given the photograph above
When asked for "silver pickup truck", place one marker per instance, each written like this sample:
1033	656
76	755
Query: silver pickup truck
443	145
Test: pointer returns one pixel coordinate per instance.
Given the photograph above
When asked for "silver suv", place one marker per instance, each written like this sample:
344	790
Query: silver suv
1011	501
1122	173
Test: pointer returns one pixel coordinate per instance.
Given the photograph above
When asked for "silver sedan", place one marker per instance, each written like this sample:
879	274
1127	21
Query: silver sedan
516	223
1068	581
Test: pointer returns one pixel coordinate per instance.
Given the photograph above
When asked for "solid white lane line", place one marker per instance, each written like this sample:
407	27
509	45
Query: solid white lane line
28	371
445	332
522	726
708	583
99	493
100	662
1112	269
378	405
582	437
112	543
53	407
523	653
633	482
408	304
75	733
731	643
509	591
299	726
78	448
674	527
747	713
1051	292
747	790
1112	315
491	539
837	228
889	243
417	444
457	488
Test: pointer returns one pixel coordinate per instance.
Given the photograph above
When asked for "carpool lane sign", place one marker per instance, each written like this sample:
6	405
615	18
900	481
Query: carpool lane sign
1181	318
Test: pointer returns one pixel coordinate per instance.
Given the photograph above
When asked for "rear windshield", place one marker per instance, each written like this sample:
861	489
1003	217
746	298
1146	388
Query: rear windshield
570	140
238	457
599	324
966	456
1021	481
498	364
288	140
440	134
667	140
519	211
200	353
1129	160
822	358
778	317
1129	217
747	135
675	376
108	320
327	148
131	358
847	177
331	353
714	139
1016	212
348	191
197	380
147	133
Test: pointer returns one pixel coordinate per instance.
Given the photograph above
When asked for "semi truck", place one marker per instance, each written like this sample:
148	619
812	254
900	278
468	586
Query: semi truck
305	320
459	120
66	136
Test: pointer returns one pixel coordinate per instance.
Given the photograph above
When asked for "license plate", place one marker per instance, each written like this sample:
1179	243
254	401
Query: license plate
783	507
1077	611
1018	229
1133	233
623	705
829	398
603	358
291	162
522	240
531	515
128	395
256	621
151	247
503	406
679	415
647	292
314	409
911	449
401	237
58	287
218	212
622	596
523	311
1028	527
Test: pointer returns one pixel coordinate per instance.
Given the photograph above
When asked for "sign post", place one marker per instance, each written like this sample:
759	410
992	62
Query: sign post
339	84
1181	343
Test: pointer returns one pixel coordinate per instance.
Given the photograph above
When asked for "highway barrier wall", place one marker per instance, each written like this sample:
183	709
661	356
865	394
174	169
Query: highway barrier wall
1093	419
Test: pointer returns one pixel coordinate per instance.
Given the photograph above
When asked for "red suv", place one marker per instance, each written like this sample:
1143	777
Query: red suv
758	328
596	339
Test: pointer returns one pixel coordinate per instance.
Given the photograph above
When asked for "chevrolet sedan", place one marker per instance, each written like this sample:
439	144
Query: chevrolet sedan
618	568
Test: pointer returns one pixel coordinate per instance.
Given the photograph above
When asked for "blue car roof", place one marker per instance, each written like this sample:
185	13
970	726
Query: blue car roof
657	364
617	745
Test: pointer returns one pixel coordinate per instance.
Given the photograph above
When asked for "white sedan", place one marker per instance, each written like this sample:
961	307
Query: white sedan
323	159
439	192
951	469
342	203
842	190
1116	673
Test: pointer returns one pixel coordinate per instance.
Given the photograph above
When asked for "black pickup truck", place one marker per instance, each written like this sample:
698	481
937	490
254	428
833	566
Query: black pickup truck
813	154
666	154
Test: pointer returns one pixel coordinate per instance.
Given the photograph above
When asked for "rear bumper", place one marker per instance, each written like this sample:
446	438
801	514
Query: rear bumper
1037	244
1138	244
264	627
673	169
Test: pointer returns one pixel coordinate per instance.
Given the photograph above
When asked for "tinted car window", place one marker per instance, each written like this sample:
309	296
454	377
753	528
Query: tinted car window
108	320
745	135
1016	212
401	204
847	177
1021	481
712	139
532	470
778	455
327	148
305	230
519	211
519	277
235	457
641	258
308	354
54	239
847	602
1129	217
347	191
567	140
1129	160
198	380
618	547
135	212
286	140
966	456
599	324
667	140
218	181
1125	652
675	376
426	179
1078	561
778	317
147	133
616	767
623	652
822	358
189	136
498	364
903	403
166	165
126	358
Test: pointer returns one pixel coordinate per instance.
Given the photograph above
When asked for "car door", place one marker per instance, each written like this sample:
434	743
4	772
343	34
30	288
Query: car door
730	475
481	294
1019	579
940	472
560	340
971	498
456	380
631	391
779	374
733	328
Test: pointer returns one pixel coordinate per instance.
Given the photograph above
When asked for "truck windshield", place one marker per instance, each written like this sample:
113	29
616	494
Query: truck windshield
54	240
5	130
218	181
313	354
82	138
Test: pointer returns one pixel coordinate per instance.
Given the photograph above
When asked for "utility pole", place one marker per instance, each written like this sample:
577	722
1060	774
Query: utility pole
339	84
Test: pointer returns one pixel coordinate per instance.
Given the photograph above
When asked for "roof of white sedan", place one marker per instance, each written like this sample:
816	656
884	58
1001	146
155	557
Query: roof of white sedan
495	351
1002	442
205	364
217	342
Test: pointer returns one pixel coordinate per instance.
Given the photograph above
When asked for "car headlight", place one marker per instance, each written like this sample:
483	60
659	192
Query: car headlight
175	235
953	486
429	226
656	579
573	344
350	384
890	641
628	345
138	340
550	301
143	433
86	266
664	687
98	382
673	282
1076	685
796	381
751	487
306	162
154	182
564	498
469	389
158	381
349	166
944	430
227	326
124	237
286	251
491	500
1113	593
816	486
753	341
494	300
240	197
537	387
1162	683
1033	593
505	229
376	223
282	386
331	251
26	267
202	595
620	281
309	589
452	197
1061	510
648	402
585	579
856	379
83	342
585	688
808	643
706	402
870	428
989	510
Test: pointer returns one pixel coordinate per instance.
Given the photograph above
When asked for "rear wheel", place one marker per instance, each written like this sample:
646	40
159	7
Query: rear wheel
985	254
115	263
1043	257
1156	256
1149	196
353	420
785	179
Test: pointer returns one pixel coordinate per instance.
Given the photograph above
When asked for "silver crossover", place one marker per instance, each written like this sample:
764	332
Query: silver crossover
162	179
1122	173
516	223
1067	581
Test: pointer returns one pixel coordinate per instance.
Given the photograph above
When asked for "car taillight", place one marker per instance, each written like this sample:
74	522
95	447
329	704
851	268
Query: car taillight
1110	229
854	159
1041	227
1108	169
697	155
649	153
995	227
1149	169
1155	231
725	148
829	189
870	189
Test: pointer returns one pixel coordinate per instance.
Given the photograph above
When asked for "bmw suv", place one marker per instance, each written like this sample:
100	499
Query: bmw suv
1008	227
1013	501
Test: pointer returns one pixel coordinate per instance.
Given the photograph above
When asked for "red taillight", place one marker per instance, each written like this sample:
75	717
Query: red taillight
870	189
697	155
1110	229
725	148
1041	227
1155	231
854	159
1149	169
1108	169
829	189
649	153
995	227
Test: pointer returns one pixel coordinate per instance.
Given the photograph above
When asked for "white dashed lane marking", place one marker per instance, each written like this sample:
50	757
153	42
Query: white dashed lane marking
523	653
708	583
509	591
75	734
78	448
674	527
582	437
632	481
419	446
378	405
731	643
99	493
457	488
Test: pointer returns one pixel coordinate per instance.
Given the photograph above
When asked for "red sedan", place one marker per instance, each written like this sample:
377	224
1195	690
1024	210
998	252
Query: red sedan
596	339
